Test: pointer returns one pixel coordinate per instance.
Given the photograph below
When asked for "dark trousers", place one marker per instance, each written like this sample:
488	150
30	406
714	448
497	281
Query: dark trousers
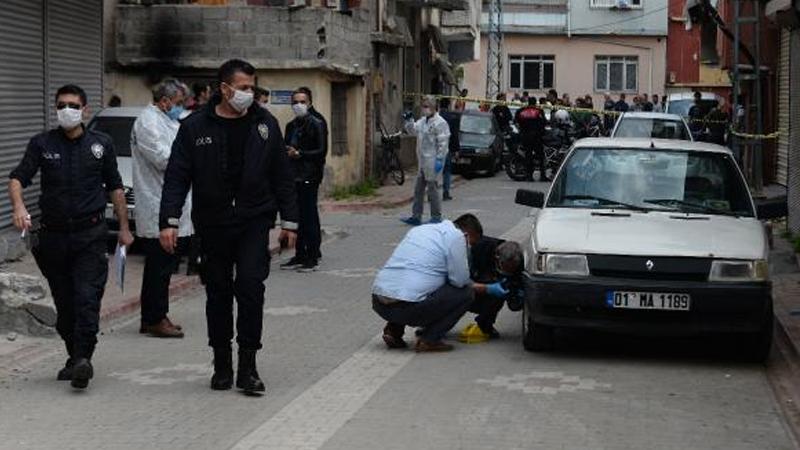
158	269
487	308
437	314
75	265
243	249
309	235
534	155
447	174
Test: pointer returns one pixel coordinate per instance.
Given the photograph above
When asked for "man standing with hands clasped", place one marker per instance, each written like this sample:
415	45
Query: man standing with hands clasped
433	137
232	155
78	168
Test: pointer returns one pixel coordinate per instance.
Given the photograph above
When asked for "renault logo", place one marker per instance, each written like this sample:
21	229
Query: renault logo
649	264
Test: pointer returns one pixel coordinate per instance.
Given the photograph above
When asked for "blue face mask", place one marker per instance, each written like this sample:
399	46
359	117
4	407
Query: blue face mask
175	112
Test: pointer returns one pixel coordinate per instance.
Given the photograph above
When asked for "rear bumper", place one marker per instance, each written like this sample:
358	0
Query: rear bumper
474	161
715	307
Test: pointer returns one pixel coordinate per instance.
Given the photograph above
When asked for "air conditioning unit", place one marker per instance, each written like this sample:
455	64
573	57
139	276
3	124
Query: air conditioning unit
333	4
623	4
297	4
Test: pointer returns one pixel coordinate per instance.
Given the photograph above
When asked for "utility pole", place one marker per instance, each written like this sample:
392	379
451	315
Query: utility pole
494	53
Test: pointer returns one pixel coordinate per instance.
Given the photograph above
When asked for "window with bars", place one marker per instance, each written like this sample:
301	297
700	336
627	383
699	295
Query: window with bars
616	73
622	4
531	72
338	122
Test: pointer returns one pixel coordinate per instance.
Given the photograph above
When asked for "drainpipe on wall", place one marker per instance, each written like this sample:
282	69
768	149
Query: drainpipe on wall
569	19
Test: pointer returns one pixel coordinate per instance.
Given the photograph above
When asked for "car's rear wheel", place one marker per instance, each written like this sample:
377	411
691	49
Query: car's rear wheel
536	337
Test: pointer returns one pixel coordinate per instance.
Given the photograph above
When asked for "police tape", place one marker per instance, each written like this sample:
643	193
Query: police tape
550	106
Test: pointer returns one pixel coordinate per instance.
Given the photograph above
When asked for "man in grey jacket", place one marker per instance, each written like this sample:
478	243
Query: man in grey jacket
151	146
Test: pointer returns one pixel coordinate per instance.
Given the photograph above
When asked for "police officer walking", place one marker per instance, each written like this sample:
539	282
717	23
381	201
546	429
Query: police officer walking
232	155
78	168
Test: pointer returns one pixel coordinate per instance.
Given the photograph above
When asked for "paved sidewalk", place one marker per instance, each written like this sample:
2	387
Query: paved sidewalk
387	197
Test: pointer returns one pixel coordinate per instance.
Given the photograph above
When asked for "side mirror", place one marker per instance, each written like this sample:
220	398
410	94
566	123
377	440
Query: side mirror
771	208
534	199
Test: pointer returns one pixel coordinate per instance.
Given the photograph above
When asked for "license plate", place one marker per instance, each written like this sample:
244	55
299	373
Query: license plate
463	161
648	300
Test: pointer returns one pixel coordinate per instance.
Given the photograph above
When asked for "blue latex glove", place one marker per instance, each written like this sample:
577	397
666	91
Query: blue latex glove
438	165
408	115
496	290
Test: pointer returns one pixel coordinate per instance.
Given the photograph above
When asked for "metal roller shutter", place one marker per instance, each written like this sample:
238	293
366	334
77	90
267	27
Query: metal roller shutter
794	132
783	110
22	102
75	49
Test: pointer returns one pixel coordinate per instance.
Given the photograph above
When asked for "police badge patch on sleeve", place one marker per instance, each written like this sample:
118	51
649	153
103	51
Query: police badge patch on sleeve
98	150
263	130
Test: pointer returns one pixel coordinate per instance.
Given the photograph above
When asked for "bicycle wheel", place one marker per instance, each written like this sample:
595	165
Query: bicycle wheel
395	168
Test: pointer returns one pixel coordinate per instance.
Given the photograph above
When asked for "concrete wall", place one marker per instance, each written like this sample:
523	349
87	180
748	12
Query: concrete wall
574	59
649	20
198	36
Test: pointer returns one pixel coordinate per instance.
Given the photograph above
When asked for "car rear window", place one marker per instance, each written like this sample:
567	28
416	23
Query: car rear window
652	128
119	128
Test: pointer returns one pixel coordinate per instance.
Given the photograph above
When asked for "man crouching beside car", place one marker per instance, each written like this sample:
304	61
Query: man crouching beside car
426	283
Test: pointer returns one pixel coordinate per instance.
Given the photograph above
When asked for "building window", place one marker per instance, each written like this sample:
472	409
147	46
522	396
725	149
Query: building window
338	123
531	72
621	4
616	73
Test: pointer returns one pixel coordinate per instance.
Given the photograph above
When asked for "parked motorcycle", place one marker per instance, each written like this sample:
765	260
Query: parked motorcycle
556	143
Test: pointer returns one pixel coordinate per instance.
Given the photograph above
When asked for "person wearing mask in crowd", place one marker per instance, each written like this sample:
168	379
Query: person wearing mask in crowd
461	104
502	114
621	105
531	123
426	283
261	97
657	107
79	172
494	260
433	138
647	105
452	119
697	117
202	93
305	144
151	145
234	206
717	122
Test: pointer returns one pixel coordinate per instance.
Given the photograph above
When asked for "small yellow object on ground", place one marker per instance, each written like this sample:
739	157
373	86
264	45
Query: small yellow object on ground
472	334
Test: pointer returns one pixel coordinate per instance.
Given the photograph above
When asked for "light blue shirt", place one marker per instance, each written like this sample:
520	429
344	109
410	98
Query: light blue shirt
427	258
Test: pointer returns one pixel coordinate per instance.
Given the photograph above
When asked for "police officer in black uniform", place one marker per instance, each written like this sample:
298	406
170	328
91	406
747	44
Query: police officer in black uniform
78	168
232	155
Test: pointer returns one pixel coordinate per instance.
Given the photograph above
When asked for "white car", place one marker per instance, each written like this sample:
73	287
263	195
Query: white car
651	125
118	123
680	102
647	236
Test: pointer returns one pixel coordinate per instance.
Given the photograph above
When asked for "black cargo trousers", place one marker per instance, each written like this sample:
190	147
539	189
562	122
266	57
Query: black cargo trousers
236	265
75	265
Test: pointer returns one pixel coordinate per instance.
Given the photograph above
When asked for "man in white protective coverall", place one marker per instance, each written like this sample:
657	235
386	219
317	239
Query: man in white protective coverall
433	136
151	146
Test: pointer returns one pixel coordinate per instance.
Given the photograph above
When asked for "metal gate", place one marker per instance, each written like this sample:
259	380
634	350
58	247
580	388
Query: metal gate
783	109
794	133
22	98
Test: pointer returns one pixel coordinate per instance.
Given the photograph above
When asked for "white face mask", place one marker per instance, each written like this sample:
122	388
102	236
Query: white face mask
241	100
69	118
427	112
300	109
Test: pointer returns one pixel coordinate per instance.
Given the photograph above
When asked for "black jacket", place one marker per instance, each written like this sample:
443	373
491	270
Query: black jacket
199	161
503	115
307	135
75	174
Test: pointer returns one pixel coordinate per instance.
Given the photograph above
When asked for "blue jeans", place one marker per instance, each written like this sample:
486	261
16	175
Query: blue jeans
447	175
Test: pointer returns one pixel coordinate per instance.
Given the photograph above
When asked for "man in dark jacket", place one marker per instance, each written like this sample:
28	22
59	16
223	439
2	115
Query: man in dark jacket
305	145
232	155
502	114
531	123
494	260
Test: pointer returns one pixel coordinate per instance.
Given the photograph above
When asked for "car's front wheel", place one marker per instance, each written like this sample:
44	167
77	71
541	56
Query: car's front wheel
535	336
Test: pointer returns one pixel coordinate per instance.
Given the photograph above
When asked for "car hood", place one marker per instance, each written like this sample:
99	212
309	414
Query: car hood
125	168
624	232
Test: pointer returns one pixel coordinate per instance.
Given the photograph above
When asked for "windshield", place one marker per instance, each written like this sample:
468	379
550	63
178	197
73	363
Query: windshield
681	107
119	128
652	128
650	179
476	124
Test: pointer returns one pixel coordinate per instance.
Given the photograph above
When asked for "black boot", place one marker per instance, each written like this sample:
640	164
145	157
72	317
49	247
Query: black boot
247	378
65	374
82	372
222	380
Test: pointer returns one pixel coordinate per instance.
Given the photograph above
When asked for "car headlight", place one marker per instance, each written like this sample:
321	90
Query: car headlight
738	270
561	264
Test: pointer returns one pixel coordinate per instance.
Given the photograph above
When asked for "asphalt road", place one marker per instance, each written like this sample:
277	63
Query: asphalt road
333	385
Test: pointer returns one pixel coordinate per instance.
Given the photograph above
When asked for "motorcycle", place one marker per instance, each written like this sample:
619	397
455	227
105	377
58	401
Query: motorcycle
556	143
